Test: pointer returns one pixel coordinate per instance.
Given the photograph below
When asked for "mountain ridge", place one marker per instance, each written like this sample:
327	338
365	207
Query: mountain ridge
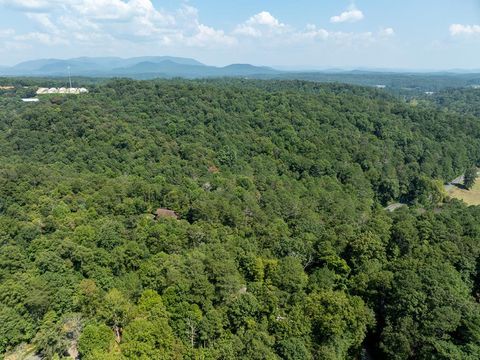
145	66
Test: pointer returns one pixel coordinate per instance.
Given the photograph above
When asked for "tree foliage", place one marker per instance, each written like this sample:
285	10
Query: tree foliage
470	177
282	249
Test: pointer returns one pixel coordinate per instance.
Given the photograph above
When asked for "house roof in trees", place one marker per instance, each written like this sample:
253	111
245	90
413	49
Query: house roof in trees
165	213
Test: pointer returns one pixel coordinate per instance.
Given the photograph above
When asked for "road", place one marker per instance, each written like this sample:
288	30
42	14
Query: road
454	182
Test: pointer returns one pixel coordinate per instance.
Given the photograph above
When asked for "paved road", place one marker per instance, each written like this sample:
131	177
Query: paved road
455	182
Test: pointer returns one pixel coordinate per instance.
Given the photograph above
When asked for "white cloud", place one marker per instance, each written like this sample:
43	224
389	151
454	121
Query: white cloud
192	32
31	5
264	18
42	38
265	27
351	15
44	21
101	21
5	33
386	32
118	10
77	24
313	33
207	36
123	26
459	29
261	24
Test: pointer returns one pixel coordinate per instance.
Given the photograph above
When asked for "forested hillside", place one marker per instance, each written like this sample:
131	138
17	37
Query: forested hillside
407	83
282	248
464	101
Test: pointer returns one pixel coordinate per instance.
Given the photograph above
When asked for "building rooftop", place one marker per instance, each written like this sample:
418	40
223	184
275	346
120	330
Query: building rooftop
62	90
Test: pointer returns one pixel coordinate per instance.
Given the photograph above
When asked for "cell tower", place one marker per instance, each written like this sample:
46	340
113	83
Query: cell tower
69	78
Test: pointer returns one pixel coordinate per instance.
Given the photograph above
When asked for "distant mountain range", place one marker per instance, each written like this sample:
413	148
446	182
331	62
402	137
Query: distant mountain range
150	67
139	67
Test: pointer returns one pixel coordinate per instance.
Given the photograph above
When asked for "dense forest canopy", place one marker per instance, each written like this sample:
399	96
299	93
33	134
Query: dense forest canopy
410	81
406	84
463	101
282	248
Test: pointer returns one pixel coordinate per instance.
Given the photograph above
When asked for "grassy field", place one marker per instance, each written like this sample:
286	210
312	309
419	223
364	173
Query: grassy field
470	197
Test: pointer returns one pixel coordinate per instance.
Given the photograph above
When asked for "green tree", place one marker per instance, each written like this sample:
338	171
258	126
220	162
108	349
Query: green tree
116	310
49	339
470	177
149	335
339	323
95	339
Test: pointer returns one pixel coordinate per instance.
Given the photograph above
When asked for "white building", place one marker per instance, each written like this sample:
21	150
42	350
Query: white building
62	90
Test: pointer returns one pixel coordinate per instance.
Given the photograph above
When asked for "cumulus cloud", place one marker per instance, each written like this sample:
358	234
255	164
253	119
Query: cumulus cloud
261	24
459	29
194	33
100	21
206	36
314	33
118	10
265	27
124	24
351	15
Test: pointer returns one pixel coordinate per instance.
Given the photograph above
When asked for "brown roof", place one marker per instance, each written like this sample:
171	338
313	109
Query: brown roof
165	213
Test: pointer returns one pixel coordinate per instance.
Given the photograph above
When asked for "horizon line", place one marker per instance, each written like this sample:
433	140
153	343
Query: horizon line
283	68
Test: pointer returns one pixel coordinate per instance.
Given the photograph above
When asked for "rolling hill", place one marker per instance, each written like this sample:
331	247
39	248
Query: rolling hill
138	67
249	211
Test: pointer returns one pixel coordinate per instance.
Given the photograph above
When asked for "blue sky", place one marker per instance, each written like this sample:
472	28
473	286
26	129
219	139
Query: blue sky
407	34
